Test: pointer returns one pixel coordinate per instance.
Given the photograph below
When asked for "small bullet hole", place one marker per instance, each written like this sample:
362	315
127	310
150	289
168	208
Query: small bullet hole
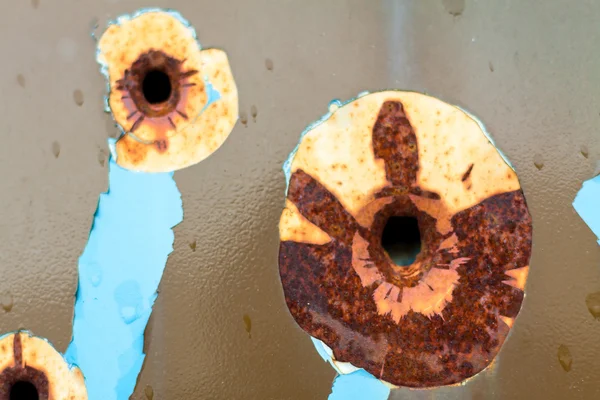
491	67
156	87
78	97
254	112
56	149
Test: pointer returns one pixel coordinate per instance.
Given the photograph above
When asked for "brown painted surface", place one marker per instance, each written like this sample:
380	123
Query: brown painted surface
540	99
436	322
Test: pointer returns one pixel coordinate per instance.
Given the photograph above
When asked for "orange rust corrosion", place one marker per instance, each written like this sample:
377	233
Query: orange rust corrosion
443	318
158	95
29	364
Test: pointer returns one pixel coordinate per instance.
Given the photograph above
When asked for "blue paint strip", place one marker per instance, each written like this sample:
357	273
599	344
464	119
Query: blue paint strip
587	204
119	273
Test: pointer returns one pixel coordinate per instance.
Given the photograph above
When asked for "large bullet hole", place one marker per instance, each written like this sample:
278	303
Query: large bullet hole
24	390
401	240
156	87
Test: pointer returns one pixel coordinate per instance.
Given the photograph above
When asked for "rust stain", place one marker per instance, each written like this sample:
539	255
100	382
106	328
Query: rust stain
156	72
442	319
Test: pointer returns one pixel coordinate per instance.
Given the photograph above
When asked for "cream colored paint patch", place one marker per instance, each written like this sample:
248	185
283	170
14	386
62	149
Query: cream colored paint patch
294	227
64	383
519	277
339	154
6	352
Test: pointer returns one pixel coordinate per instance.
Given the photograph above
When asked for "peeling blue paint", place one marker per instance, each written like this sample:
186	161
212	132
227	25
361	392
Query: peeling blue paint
359	385
119	273
587	204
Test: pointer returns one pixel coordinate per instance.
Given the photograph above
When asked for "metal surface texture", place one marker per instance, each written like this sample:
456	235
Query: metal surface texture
220	327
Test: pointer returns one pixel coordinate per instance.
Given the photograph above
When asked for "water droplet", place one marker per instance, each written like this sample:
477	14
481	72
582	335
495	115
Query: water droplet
128	314
248	324
538	161
94	272
21	80
6	298
101	157
592	301
254	112
244	118
269	64
584	151
454	7
56	149
193	245
149	392
78	97
334	105
564	357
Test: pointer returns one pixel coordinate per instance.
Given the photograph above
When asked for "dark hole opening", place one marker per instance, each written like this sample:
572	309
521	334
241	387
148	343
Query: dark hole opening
23	390
401	239
156	87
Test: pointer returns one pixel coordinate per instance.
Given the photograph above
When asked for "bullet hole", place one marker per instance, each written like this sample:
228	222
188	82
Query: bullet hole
23	390
584	151
454	7
269	64
244	118
491	67
193	245
538	161
401	239
78	97
248	325
156	87
56	149
254	112
21	80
